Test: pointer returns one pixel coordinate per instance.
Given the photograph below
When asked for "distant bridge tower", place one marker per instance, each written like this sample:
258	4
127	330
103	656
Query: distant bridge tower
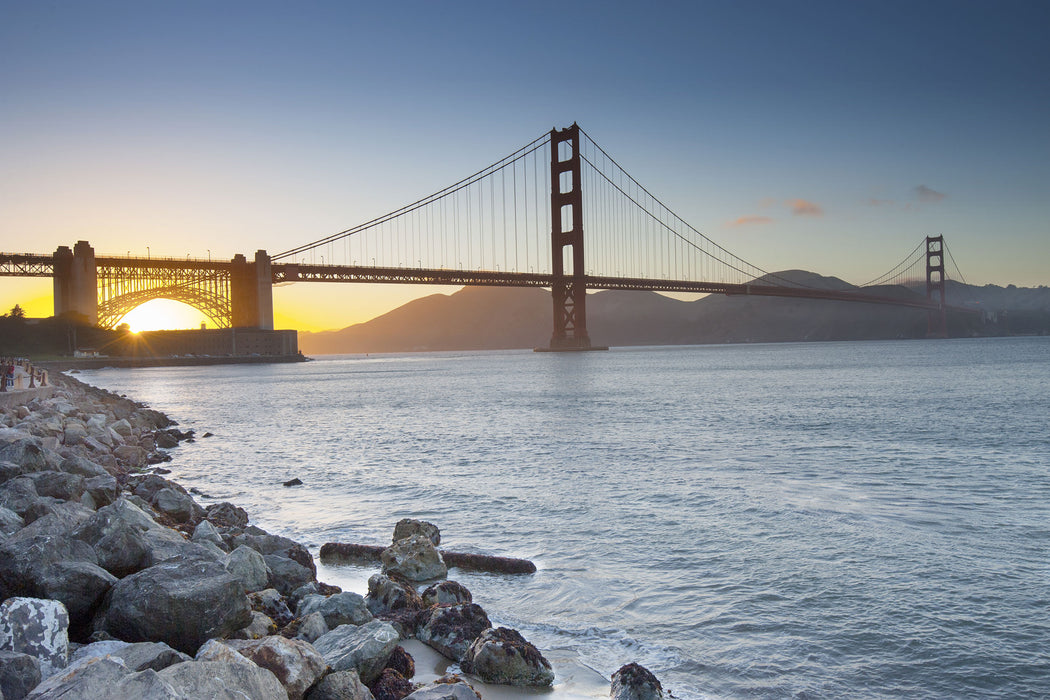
76	282
569	291
937	319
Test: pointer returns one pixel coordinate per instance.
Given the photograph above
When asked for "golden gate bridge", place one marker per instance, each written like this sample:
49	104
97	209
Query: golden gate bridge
558	213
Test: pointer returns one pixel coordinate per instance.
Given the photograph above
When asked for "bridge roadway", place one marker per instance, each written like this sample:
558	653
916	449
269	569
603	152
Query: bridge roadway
36	265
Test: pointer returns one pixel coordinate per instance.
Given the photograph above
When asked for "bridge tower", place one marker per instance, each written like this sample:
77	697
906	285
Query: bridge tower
251	292
937	319
569	290
76	282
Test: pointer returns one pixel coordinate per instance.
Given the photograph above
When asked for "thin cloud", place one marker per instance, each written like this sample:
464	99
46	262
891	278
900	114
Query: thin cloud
750	220
800	207
925	194
880	202
767	202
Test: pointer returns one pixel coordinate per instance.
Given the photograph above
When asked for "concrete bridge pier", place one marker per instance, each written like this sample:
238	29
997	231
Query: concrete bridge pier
251	292
76	282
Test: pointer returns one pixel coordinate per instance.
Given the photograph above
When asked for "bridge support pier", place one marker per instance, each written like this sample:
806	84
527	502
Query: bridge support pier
937	319
251	292
76	283
569	290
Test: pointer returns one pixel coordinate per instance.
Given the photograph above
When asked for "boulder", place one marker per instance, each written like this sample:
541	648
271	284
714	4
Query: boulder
206	532
19	673
340	685
137	657
502	656
75	464
402	662
67	487
249	566
214	650
226	515
103	489
451	629
390	685
132	455
287	574
386	594
446	688
260	626
414	558
217	680
39	628
10	521
444	593
267	544
91	678
406	527
182	602
18	494
178	506
311	627
26	453
296	664
364	649
339	609
635	682
272	604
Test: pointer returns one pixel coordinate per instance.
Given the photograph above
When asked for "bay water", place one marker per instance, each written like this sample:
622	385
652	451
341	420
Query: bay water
841	520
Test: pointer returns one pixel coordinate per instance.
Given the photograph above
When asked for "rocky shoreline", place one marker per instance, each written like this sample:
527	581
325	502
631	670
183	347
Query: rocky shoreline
115	583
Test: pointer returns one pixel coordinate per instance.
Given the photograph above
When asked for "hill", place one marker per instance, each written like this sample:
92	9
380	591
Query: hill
502	318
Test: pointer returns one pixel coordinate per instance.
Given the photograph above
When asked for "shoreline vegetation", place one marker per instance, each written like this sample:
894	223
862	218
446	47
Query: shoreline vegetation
115	581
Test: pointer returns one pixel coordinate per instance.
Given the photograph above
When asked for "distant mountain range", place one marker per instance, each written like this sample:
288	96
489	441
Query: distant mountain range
480	318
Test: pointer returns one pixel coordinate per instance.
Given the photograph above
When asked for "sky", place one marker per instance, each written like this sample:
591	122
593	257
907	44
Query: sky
826	136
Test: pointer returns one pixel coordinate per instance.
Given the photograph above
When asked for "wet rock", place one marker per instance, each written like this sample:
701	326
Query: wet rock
390	685
296	664
267	544
446	688
180	602
165	440
39	628
451	629
444	593
386	594
180	507
249	566
340	685
502	656
226	515
272	604
223	681
19	673
286	574
339	609
635	682
364	649
402	662
293	482
406	527
414	558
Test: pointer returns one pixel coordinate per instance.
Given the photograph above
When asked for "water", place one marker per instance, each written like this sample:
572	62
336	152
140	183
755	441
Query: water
846	520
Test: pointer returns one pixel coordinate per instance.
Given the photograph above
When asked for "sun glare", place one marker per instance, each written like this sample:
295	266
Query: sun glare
163	314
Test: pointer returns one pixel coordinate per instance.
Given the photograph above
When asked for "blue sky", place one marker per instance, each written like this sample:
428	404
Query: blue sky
232	126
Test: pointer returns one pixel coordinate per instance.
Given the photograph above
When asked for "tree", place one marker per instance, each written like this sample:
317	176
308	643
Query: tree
17	312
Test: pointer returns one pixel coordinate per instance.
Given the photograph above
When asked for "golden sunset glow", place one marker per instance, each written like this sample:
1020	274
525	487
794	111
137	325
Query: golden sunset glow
164	314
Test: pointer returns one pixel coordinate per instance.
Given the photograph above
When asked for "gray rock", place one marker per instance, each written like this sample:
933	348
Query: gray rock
452	629
312	627
180	602
226	515
206	532
414	558
272	604
339	609
122	428
249	566
92	678
103	489
267	544
296	664
287	574
635	682
73	432
18	494
39	628
260	626
180	507
68	487
132	455
502	656
217	680
214	650
137	657
19	673
387	595
75	464
10	521
364	649
26	453
407	527
448	688
340	685
444	593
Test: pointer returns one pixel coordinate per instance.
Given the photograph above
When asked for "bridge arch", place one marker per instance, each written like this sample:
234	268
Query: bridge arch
215	307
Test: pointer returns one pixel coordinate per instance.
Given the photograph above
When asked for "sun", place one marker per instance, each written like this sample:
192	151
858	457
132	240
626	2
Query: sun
163	314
